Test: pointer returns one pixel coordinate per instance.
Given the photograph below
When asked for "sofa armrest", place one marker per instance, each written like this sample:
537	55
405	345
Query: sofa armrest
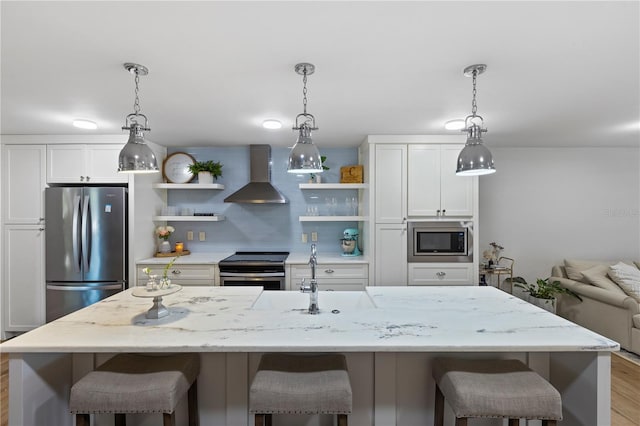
600	294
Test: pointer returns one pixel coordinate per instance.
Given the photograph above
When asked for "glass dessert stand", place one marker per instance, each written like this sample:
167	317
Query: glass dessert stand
158	310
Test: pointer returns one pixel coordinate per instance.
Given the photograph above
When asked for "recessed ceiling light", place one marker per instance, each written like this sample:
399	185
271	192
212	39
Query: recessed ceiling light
456	124
85	124
271	124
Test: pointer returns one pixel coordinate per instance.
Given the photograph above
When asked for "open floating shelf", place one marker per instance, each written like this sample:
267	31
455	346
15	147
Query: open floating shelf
333	185
332	218
216	218
188	185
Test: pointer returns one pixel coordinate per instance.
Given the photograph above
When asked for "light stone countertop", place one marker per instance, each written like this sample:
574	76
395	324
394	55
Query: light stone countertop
404	319
292	259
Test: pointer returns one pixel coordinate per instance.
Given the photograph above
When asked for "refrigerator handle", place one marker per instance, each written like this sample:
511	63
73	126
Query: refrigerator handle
84	288
86	243
75	237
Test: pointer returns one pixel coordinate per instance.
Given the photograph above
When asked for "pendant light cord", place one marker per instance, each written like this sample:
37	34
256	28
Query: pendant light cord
136	103
474	105
304	90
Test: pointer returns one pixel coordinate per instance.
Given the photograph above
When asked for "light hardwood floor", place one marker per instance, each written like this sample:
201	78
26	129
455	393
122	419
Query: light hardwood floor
625	391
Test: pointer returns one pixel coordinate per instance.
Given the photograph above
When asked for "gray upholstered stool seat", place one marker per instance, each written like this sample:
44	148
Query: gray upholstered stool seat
131	383
494	388
301	384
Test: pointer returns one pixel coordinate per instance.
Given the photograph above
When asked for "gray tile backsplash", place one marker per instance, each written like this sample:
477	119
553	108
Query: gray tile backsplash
267	226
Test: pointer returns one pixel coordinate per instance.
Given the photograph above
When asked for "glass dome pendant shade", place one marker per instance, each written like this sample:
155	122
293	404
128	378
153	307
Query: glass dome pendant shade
475	159
304	157
136	156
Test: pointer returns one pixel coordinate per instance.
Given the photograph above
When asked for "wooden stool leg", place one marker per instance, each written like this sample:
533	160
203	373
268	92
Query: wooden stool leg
268	420
514	422
169	419
462	421
120	419
438	415
192	399
342	420
83	420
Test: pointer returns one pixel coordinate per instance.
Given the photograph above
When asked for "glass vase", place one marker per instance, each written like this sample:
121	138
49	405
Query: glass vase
165	247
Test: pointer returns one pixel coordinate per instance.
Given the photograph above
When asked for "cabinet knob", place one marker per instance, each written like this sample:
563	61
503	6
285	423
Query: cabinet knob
176	272
41	219
441	274
40	229
81	178
329	271
443	211
438	212
404	219
88	177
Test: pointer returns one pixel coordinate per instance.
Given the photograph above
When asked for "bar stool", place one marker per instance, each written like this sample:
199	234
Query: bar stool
131	383
300	384
493	388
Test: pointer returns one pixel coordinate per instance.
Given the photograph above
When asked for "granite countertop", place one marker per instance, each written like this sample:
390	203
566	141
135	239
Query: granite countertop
402	319
292	259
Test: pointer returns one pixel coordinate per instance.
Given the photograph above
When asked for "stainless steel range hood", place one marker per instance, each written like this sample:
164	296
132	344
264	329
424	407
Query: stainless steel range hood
259	190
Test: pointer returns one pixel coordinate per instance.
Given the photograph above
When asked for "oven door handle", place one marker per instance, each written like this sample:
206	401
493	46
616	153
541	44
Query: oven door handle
252	275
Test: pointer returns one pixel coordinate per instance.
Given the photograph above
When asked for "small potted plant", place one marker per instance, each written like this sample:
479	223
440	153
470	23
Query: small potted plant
316	178
206	170
543	293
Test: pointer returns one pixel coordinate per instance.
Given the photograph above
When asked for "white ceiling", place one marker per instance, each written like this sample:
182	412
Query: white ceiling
559	73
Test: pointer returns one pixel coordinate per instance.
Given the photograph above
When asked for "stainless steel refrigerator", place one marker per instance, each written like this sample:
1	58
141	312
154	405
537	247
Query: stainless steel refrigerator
86	250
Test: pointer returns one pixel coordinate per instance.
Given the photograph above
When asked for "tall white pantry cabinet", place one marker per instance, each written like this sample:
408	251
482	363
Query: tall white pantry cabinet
412	178
23	183
29	165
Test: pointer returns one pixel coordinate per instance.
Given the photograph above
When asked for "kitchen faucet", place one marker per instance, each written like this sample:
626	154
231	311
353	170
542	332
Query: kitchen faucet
312	288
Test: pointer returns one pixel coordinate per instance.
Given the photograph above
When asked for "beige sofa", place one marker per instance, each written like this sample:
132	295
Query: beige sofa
607	311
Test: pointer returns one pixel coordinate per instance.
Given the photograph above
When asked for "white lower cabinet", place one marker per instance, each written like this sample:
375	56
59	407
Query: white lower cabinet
440	273
185	275
390	263
23	277
336	277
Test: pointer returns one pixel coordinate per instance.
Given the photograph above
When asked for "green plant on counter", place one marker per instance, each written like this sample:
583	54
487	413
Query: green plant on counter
542	289
215	168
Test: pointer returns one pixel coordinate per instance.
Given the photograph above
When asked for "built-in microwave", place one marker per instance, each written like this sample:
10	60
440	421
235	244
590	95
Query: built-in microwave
440	241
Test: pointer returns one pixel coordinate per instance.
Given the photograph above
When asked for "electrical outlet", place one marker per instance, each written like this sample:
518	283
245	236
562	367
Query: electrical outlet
202	236
189	235
304	237
314	236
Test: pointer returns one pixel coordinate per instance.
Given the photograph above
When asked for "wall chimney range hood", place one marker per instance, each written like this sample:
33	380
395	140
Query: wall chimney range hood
259	190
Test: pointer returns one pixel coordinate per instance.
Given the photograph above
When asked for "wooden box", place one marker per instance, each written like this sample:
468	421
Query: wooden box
351	174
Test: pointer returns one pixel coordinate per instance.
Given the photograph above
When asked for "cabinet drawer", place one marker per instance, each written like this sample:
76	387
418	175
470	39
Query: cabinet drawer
440	274
342	285
330	271
181	274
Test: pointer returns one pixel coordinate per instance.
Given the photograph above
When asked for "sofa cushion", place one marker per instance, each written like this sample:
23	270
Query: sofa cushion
597	275
575	267
627	277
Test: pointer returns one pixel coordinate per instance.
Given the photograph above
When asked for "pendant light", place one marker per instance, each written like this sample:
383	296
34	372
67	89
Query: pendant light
474	159
304	156
136	156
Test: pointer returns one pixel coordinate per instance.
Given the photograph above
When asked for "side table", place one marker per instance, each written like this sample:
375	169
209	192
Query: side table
503	267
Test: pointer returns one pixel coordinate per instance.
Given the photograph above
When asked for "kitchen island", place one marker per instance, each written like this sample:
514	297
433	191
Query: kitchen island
389	334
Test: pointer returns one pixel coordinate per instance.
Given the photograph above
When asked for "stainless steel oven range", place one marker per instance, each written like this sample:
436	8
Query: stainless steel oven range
254	268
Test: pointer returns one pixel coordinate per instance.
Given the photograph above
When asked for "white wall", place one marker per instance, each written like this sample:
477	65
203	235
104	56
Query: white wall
547	204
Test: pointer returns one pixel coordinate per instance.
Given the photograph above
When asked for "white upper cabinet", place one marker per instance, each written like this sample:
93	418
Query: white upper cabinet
23	181
84	163
434	189
390	183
